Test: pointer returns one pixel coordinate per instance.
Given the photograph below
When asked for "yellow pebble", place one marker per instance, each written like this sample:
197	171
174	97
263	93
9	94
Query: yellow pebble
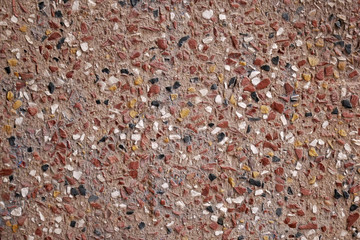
295	104
15	227
342	133
221	78
340	177
48	32
324	85
330	144
133	113
271	154
138	81
166	140
184	112
309	45
212	68
210	143
255	174
191	89
231	181
312	152
17	104
134	147
313	61
294	117
23	28
10	96
289	180
12	62
246	168
173	97
7	129
8	223
266	238
306	77
242	63
112	88
132	103
264	109
242	220
336	74
320	42
312	180
56	193
341	65
232	100
73	50
298	143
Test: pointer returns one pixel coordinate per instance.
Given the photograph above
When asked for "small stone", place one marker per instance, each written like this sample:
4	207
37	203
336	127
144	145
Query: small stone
306	77
337	195
207	14
254	182
312	152
212	177
162	43
17	104
9	96
275	60
45	167
265	68
12	62
32	111
141	225
342	65
313	61
74	192
346	103
220	136
138	81
184	112
51	87
279	212
352	219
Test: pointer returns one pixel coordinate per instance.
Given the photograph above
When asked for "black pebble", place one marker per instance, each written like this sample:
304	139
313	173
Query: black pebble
45	167
103	139
129	212
275	60
210	209
190	104
156	13
211	125
232	82
308	114
335	111
254	182
279	212
141	225
346	103
60	43
337	195
161	156
348	48
169	89
346	194
290	191
213	87
265	67
98	101
30	149
275	159
41	5
106	70
271	35
248	129
131	125
187	139
220	136
97	232
338	24
82	190
182	40
240	238
93	198
134	2
106	102
212	177
11	141
353	207
122	3
340	43
74	192
254	96
124	71
155	103
72	224
51	87
154	80
58	14
7	70
11	178
176	85
220	221
285	16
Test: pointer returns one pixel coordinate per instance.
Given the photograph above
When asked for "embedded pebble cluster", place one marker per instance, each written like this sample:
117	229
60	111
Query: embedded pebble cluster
179	119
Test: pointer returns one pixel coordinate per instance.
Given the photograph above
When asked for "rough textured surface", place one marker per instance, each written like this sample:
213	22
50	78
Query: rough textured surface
179	119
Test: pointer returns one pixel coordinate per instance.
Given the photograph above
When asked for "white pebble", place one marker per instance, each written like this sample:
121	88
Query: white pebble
195	193
77	174
254	149
218	99
84	46
207	14
115	194
16	212
24	191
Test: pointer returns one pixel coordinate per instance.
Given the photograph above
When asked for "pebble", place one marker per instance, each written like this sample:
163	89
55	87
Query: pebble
207	14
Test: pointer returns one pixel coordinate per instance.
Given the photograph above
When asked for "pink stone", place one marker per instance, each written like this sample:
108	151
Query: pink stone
352	219
279	107
263	84
154	89
162	43
192	43
299	153
32	111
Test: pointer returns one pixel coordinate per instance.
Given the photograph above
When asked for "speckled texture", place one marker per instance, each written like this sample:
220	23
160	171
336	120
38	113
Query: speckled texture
179	119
